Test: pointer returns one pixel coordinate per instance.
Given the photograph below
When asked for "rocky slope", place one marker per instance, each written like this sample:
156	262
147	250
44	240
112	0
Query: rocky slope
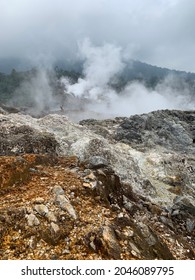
122	188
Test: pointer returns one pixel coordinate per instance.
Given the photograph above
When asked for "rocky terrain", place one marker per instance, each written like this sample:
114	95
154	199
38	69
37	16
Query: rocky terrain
120	188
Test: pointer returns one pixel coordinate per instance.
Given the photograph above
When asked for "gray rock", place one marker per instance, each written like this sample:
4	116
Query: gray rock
166	128
167	221
129	205
175	212
146	232
134	249
190	225
185	203
97	162
24	139
58	190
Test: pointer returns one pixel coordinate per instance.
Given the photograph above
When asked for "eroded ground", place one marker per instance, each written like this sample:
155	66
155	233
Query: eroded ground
56	208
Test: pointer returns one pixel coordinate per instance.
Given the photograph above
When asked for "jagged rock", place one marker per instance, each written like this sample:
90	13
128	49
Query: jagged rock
129	205
109	187
32	220
24	139
147	242
184	203
171	129
110	242
41	209
65	204
51	217
146	232
190	225
167	166
167	221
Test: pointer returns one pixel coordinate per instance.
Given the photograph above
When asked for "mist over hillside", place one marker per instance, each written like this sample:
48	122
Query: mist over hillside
101	84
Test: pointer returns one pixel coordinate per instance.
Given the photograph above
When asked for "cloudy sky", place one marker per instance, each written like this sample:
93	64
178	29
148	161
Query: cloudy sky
159	32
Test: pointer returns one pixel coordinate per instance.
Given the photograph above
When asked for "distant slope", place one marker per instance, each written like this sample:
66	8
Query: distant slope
149	74
134	69
14	72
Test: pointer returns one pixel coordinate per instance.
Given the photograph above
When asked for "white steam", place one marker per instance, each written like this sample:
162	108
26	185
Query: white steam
101	66
93	96
35	93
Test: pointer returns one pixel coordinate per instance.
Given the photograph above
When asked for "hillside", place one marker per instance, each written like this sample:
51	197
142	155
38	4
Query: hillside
40	91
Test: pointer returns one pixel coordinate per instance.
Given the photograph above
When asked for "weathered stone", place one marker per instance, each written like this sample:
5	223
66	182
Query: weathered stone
97	162
25	139
32	220
51	217
146	232
134	249
110	242
166	128
55	227
41	209
65	204
167	221
190	225
57	190
129	205
185	203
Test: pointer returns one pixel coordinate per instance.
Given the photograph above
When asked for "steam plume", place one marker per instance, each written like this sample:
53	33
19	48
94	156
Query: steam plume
101	65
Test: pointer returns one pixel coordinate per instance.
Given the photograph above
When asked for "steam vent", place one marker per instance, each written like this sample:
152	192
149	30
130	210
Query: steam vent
121	188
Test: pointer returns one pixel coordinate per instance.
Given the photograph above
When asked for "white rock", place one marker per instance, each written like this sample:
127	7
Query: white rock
55	227
32	220
41	209
65	204
51	217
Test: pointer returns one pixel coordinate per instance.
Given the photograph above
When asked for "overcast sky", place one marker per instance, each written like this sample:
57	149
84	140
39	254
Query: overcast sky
159	32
